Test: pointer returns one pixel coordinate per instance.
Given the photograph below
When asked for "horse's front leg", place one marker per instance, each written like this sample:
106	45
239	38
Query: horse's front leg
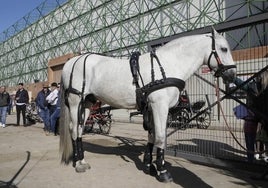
148	154
163	174
160	119
148	160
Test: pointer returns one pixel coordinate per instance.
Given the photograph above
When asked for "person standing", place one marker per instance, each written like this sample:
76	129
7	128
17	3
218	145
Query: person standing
52	99
4	102
55	116
250	118
22	98
10	106
42	106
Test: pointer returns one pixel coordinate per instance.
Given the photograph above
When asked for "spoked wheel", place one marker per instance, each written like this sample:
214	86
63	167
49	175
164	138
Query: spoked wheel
169	121
182	118
105	124
89	125
203	121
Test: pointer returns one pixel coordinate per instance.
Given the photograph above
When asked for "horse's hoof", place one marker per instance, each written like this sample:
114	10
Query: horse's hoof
80	168
85	165
150	169
165	177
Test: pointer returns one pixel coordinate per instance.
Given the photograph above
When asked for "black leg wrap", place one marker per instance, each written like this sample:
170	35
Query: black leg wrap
148	157
164	175
75	152
147	160
80	149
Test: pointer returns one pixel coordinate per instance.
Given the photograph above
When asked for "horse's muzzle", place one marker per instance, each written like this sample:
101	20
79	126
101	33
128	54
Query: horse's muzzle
228	75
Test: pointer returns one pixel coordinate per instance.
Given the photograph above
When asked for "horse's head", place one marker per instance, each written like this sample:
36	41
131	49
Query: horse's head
220	59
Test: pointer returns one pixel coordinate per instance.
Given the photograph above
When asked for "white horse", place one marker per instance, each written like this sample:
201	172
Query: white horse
89	77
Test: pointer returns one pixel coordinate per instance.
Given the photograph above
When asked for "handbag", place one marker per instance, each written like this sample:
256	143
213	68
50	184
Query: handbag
241	112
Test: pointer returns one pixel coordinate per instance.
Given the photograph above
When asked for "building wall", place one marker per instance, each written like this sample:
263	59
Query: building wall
54	74
55	67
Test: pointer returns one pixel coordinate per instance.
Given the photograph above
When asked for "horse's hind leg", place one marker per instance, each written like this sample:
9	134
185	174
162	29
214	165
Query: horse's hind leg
78	156
80	132
78	151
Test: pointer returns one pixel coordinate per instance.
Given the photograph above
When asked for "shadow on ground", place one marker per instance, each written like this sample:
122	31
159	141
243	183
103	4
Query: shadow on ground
129	149
10	183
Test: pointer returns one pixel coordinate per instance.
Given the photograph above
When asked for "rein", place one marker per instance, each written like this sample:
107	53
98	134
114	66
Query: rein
217	89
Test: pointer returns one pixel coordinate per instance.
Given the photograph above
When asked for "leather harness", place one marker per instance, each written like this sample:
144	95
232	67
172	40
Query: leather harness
143	92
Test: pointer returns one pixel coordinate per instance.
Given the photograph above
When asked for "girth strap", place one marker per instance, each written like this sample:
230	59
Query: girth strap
142	93
163	83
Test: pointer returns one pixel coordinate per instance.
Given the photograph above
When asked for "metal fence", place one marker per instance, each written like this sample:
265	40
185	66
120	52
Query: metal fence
217	141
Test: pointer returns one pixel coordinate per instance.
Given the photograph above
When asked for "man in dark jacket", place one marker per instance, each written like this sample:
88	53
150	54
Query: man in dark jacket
22	98
4	102
43	109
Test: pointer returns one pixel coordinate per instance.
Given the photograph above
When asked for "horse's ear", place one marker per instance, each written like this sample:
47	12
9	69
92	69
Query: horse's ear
214	32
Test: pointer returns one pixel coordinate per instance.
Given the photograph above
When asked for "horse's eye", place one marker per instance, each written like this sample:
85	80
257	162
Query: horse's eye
224	49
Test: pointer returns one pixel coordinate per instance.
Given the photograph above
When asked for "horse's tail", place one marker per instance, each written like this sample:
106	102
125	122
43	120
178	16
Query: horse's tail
66	148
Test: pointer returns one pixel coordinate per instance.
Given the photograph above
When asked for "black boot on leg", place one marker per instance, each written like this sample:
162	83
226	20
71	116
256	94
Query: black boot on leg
163	174
149	167
75	153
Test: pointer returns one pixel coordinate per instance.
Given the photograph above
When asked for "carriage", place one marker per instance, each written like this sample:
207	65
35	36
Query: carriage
100	116
184	113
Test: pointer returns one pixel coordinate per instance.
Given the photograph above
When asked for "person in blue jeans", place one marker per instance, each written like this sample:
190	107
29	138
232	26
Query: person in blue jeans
42	106
55	116
4	102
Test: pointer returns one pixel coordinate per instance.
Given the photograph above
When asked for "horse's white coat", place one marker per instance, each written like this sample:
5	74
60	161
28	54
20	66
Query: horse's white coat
110	80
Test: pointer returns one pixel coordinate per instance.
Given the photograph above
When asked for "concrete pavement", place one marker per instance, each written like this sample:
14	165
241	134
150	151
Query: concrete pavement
29	158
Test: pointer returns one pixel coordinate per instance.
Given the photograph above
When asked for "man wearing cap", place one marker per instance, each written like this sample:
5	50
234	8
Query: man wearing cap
42	105
22	98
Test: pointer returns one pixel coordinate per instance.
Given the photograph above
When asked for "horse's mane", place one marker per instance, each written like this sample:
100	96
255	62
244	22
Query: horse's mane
184	40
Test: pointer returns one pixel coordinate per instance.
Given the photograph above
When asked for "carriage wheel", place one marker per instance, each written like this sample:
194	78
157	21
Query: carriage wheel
203	121
169	120
182	119
89	125
105	124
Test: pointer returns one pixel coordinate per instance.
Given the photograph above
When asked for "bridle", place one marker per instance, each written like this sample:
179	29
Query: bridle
221	67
